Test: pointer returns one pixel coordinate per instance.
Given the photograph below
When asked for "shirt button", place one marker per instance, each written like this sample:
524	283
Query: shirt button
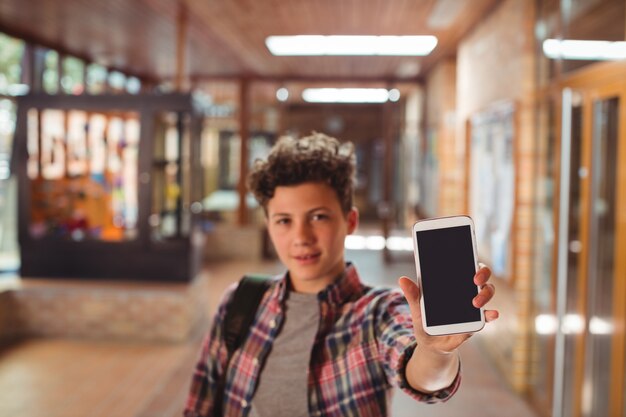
244	403
272	324
255	361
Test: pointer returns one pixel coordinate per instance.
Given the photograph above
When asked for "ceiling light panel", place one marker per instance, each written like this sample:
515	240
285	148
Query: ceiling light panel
348	95
317	45
584	50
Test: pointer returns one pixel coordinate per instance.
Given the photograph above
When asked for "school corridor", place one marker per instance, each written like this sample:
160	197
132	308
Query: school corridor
128	128
67	377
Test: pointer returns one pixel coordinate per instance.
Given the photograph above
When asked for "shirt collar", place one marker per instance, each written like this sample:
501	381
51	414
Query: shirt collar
344	288
339	292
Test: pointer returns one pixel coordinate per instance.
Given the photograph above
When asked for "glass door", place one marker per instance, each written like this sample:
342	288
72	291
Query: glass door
568	258
591	272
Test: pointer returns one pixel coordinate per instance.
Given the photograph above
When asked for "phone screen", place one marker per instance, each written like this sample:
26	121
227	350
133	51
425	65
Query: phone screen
447	266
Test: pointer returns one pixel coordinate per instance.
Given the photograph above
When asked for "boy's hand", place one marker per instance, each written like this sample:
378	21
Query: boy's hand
447	343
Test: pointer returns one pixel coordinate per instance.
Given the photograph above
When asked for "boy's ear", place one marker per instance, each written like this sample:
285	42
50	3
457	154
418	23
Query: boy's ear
353	220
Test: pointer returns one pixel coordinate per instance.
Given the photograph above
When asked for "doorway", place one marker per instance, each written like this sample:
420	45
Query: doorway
591	253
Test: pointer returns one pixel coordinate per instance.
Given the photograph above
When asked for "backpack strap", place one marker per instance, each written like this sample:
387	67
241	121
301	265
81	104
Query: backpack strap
237	321
242	309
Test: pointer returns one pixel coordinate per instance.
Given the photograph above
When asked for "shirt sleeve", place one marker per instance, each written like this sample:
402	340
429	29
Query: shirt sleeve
210	366
396	343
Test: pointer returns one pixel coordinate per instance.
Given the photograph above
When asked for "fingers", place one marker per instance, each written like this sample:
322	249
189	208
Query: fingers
485	294
482	275
491	315
487	290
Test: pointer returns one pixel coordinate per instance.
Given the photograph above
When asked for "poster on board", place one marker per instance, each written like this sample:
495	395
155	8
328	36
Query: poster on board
492	183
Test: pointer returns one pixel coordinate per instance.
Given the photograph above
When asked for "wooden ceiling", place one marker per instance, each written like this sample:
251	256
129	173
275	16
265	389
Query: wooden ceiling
225	38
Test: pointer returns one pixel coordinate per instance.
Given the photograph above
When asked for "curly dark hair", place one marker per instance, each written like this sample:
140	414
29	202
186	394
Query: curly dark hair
314	158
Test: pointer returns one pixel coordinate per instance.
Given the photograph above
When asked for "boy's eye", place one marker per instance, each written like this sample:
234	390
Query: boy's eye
320	216
282	221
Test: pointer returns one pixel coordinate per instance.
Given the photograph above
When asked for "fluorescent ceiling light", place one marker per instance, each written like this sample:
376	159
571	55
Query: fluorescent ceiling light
584	50
348	95
282	94
377	242
350	45
394	94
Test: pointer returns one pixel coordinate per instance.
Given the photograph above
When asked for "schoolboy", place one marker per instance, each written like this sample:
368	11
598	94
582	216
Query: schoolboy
323	343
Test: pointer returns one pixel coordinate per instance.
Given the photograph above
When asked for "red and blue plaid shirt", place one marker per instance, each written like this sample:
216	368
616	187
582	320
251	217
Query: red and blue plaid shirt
361	348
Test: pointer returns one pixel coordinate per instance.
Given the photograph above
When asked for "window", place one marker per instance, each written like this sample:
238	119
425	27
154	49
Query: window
51	72
117	82
73	80
83	171
96	79
11	52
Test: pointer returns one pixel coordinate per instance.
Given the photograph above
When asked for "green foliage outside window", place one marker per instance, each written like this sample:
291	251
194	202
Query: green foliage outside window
51	72
11	51
96	79
73	81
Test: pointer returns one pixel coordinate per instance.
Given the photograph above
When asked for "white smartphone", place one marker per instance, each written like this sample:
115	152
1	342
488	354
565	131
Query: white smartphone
446	262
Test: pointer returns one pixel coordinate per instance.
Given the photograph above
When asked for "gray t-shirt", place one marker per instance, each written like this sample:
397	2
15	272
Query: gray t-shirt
282	388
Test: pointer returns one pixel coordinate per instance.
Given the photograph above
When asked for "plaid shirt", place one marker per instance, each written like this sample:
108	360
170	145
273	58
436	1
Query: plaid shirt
363	342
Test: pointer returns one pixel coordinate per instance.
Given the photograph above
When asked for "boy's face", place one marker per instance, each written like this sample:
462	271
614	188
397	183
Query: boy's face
308	229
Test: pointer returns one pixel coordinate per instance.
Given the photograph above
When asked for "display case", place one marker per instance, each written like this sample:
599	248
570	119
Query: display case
109	186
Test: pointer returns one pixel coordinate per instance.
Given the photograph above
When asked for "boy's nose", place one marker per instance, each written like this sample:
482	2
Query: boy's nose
303	234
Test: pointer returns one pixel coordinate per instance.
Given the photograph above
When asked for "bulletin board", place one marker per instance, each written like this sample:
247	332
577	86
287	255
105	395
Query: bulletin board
492	184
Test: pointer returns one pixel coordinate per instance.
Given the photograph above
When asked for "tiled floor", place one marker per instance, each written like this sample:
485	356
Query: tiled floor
67	378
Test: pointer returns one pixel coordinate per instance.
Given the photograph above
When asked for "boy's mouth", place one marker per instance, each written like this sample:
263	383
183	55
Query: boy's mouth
307	258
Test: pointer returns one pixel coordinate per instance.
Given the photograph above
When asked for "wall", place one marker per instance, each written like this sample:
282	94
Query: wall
355	122
441	173
361	124
411	171
103	310
495	63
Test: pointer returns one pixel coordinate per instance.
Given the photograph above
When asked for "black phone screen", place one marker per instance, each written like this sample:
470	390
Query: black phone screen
447	265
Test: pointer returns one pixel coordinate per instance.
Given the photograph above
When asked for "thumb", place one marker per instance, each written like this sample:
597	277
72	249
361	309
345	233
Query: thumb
411	291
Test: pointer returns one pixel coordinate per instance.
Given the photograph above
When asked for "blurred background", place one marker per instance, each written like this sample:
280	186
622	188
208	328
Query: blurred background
127	128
